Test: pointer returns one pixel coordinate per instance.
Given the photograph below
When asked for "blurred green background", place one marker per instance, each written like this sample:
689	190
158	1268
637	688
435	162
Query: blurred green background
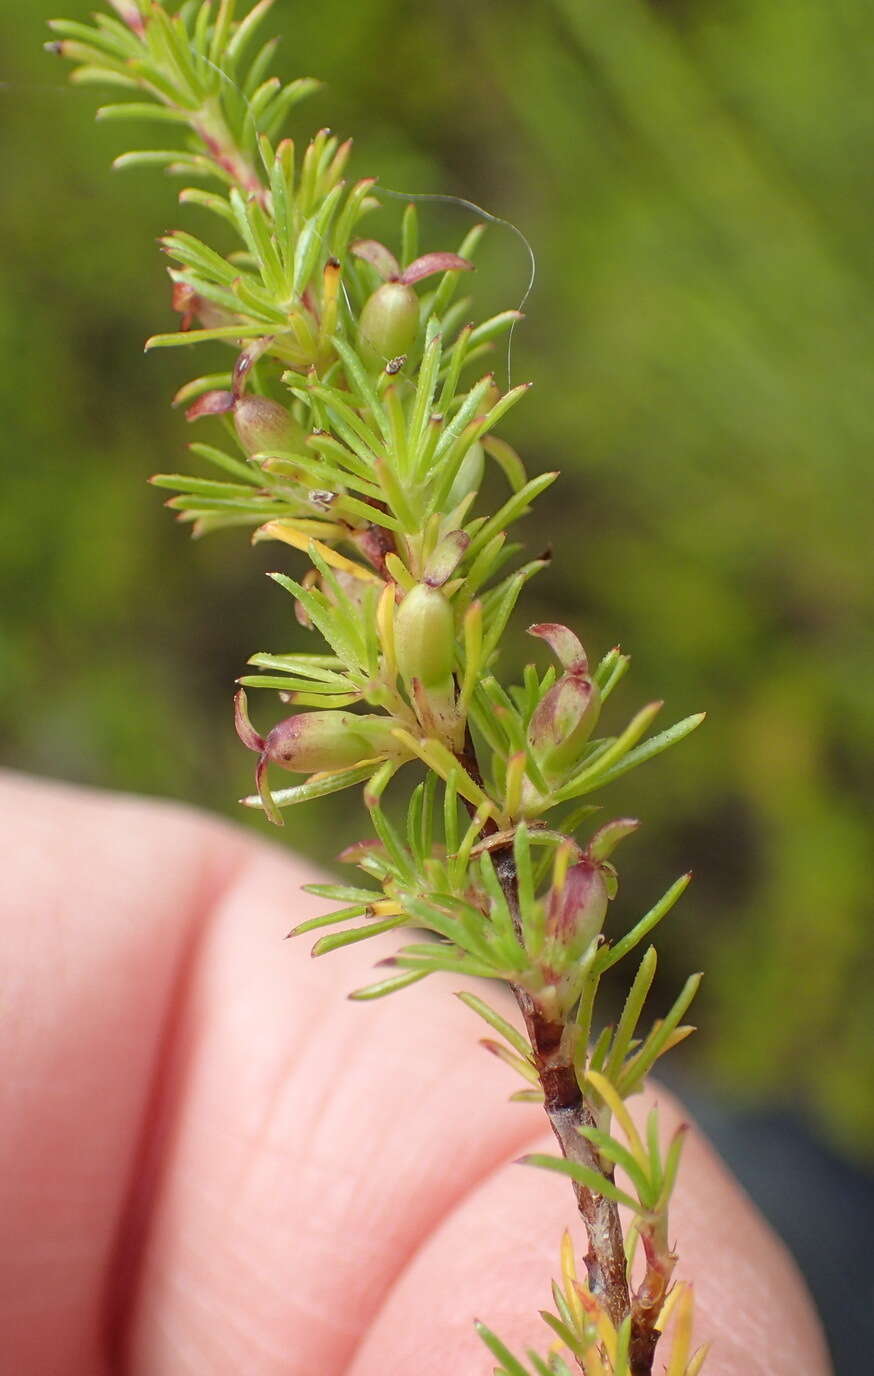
696	180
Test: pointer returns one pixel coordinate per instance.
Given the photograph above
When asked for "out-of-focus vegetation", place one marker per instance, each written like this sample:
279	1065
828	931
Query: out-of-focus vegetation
696	180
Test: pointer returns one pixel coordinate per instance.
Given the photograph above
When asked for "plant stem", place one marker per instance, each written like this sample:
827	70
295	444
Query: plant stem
567	1110
213	132
650	1297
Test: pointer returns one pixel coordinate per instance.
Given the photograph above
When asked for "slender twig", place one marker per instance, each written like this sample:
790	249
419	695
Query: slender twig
567	1110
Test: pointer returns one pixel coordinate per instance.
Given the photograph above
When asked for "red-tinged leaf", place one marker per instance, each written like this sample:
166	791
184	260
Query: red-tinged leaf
245	730
211	404
607	837
378	256
565	645
430	263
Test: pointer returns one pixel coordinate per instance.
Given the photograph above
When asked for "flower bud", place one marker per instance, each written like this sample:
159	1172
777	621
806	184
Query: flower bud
316	742
263	426
576	911
388	324
469	476
425	637
563	721
566	716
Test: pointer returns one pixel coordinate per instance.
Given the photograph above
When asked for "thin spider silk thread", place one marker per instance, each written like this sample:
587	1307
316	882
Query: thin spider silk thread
422	197
446	199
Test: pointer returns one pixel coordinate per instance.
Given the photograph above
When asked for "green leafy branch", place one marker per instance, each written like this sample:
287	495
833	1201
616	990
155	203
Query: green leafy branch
356	422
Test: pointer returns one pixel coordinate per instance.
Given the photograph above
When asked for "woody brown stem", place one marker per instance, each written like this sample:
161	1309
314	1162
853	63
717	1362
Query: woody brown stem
567	1110
649	1298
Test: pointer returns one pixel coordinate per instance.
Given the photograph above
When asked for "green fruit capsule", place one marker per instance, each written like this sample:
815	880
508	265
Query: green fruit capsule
425	637
388	324
265	427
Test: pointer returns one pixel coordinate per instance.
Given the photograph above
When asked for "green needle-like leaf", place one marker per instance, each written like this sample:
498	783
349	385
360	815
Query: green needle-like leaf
316	787
506	1029
581	1175
356	934
387	986
512	1366
663	741
613	953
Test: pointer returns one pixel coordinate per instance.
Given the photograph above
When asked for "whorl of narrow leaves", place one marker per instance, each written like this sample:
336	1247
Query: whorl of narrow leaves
355	418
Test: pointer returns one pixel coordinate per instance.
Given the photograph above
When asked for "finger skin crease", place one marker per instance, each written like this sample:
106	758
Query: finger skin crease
436	1225
163	1093
154	1160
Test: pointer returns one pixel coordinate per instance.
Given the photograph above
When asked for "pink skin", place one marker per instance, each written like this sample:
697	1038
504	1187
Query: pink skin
211	1163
